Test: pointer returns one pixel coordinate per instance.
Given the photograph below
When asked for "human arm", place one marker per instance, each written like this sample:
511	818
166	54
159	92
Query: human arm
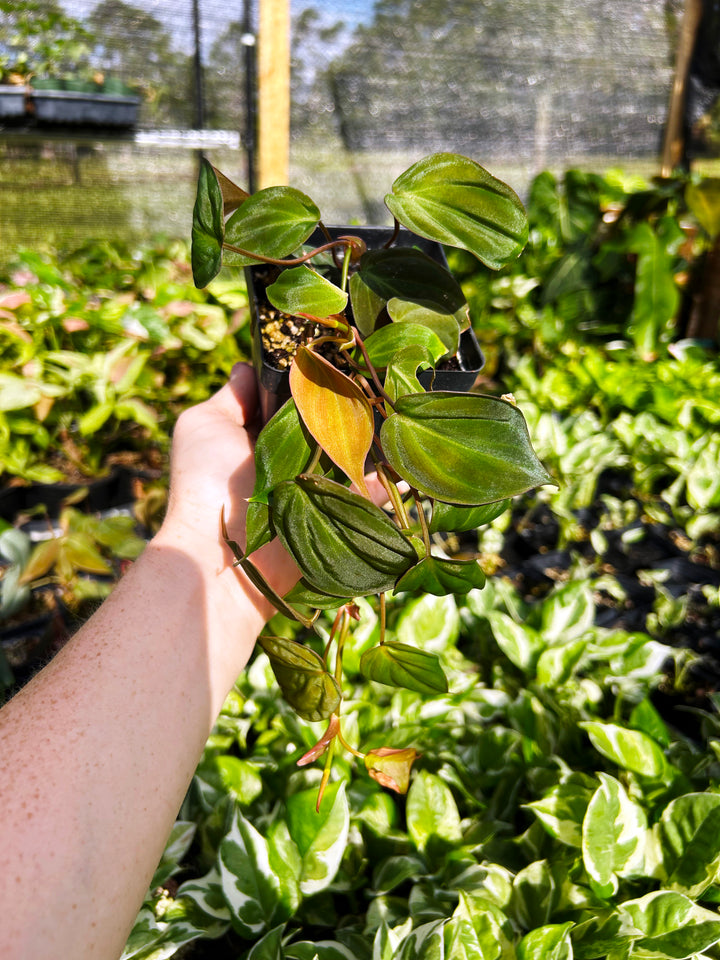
97	751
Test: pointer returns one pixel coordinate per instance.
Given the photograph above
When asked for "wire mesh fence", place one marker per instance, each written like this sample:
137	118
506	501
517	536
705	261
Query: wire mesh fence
520	85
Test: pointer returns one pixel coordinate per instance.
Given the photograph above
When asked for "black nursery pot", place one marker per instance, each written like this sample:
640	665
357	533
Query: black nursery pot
274	384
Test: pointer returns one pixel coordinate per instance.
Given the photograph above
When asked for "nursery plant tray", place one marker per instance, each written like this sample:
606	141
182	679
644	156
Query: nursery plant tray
274	383
12	102
79	107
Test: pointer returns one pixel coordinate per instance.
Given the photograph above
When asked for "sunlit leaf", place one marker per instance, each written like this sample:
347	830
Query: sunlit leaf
250	887
690	839
668	925
400	665
306	685
452	199
630	749
281	452
273	222
366	305
431	811
401	373
447	518
391	767
461	448
438	575
613	835
302	290
343	544
549	942
207	228
703	199
444	325
412	275
335	411
321	836
388	344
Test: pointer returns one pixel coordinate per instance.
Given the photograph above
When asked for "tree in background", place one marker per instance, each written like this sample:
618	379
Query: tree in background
39	38
498	78
135	46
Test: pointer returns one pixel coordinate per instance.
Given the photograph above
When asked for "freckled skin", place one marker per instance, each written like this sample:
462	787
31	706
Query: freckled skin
85	779
84	747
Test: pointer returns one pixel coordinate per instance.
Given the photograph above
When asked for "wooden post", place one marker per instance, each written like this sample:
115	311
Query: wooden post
674	134
274	93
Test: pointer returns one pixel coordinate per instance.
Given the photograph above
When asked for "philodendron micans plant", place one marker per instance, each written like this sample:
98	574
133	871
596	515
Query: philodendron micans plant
448	461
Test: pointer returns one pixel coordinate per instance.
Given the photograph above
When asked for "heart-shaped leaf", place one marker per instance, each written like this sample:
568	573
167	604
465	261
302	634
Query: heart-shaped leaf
400	665
306	595
409	274
391	767
281	452
452	199
386	343
366	305
444	325
461	448
306	685
439	576
301	290
273	222
336	412
401	373
344	545
207	228
447	518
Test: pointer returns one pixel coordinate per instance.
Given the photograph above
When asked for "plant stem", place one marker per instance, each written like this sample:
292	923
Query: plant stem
383	618
352	750
371	368
394	236
345	268
394	497
287	263
423	524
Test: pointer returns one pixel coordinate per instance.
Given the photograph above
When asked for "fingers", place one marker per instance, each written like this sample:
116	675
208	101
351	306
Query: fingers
238	398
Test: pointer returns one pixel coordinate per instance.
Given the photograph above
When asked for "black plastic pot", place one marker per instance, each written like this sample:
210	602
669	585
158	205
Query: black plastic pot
113	490
85	108
274	385
12	102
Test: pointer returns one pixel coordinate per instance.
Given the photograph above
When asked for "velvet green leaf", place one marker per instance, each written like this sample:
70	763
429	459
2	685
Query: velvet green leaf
306	595
439	576
301	290
412	275
343	544
401	373
311	691
452	199
366	305
447	518
400	665
444	325
384	346
281	452
335	411
207	228
273	222
461	448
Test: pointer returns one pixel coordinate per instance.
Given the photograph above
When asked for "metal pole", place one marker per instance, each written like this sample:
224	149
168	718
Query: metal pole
249	43
199	106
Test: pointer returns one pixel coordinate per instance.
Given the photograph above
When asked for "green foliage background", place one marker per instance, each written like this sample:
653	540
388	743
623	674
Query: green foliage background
562	806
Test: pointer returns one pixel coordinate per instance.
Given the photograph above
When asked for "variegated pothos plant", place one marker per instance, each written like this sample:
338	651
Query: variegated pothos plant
447	461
